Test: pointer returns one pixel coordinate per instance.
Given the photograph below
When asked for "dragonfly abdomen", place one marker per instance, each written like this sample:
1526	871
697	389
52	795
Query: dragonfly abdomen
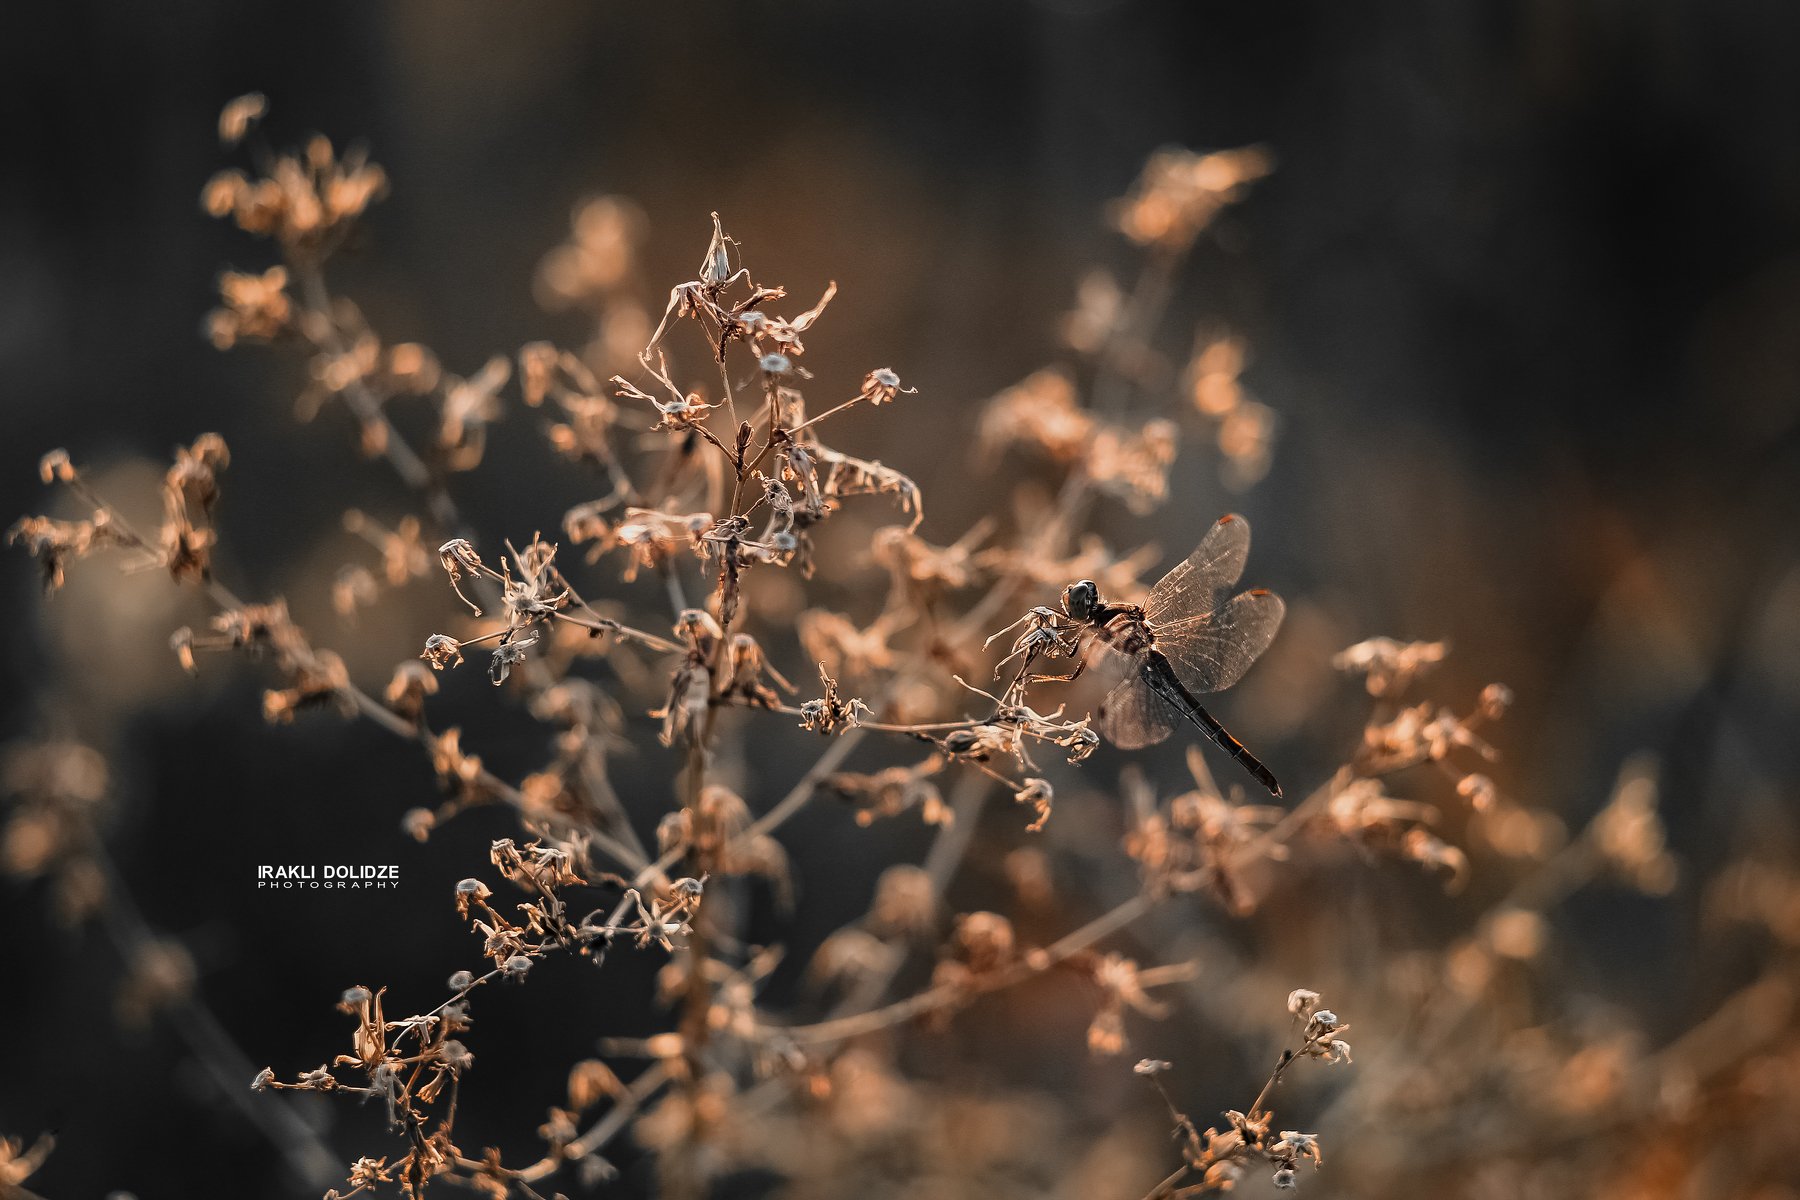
1164	679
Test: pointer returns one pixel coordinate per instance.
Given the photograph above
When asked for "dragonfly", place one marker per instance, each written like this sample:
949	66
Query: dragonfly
1191	636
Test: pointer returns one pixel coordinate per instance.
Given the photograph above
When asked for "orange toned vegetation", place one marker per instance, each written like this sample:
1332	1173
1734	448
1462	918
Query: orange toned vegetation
726	477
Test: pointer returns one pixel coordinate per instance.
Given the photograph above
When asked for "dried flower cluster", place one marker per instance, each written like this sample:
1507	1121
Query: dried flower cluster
1218	1159
715	474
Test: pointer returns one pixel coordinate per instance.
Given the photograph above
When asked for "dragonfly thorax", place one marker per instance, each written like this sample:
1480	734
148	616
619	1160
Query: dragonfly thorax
1128	632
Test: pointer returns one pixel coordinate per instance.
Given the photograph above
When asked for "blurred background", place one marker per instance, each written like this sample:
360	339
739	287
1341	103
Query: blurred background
1523	289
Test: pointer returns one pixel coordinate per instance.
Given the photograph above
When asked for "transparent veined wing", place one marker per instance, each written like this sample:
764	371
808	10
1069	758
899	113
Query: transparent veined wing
1211	651
1200	584
1132	715
1135	715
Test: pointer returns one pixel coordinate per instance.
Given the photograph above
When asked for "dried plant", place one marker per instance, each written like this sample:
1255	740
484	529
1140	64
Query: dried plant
716	472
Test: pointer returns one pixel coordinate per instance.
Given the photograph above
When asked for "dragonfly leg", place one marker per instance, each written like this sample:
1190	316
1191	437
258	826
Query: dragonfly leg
1080	657
1071	677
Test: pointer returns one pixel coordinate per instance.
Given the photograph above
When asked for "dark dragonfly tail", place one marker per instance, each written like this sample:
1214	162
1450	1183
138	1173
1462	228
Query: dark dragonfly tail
1171	688
1222	736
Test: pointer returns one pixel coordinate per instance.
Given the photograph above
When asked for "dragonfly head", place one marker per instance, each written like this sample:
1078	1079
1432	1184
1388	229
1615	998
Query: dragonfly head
1080	599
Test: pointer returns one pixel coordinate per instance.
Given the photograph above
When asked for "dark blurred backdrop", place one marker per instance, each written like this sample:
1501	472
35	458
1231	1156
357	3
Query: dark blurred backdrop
1524	289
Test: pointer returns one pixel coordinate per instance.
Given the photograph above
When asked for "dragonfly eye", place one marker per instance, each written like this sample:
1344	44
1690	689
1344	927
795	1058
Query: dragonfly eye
1080	599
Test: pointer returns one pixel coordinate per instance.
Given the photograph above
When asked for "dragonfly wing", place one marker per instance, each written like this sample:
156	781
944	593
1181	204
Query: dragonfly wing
1135	715
1210	652
1199	584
